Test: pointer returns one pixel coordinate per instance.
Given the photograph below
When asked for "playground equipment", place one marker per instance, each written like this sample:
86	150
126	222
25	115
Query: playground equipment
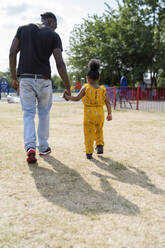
4	86
76	86
5	90
122	92
12	99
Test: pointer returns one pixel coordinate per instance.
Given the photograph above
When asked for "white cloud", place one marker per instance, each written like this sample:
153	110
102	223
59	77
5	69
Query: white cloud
15	9
12	16
20	12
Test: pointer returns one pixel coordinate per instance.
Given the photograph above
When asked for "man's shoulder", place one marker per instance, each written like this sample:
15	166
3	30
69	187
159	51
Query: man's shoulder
48	31
56	35
28	26
24	29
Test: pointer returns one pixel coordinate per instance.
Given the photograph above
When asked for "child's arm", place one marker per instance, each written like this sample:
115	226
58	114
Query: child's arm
108	105
76	98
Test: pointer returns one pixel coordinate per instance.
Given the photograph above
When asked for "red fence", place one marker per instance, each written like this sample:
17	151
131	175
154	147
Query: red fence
137	98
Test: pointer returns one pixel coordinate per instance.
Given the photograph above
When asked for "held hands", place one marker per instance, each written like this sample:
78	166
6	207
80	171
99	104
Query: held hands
15	84
109	117
66	95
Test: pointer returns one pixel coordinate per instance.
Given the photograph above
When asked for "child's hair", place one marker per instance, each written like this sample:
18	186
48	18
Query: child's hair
93	69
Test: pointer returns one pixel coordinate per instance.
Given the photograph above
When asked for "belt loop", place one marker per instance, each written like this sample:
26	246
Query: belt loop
35	77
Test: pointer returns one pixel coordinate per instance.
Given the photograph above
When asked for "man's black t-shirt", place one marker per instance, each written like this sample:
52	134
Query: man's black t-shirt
36	47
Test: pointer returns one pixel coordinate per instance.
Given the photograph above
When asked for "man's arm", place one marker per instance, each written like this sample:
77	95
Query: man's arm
62	68
14	49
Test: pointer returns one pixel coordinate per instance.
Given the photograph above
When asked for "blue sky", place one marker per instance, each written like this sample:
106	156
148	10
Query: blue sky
14	13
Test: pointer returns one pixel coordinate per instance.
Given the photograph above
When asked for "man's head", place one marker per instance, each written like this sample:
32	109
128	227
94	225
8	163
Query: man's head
49	19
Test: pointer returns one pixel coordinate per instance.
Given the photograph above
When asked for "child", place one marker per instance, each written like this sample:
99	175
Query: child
93	97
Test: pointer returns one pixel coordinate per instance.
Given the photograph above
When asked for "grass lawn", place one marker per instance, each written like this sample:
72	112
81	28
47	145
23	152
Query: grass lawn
65	201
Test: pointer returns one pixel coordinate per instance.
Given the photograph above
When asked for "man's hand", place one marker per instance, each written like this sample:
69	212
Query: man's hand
15	84
109	117
66	96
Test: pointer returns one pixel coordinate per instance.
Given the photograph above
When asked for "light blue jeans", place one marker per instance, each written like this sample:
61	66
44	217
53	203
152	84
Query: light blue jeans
36	93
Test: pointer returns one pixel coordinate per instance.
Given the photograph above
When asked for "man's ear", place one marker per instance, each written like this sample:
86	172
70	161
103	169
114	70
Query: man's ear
49	21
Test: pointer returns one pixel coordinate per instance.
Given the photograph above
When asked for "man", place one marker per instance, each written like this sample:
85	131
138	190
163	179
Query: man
36	43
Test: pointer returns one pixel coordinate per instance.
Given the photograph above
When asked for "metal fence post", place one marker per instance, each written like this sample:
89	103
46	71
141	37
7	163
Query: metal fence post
114	97
137	98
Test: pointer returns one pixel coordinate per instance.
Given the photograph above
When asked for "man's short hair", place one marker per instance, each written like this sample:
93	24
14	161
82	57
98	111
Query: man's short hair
47	15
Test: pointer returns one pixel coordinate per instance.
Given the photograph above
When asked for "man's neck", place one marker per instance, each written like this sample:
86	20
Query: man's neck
43	25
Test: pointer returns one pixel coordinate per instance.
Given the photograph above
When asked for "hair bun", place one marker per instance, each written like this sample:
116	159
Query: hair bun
94	65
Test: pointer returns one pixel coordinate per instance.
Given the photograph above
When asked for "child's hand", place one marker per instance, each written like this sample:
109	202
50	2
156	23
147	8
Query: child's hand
65	95
109	117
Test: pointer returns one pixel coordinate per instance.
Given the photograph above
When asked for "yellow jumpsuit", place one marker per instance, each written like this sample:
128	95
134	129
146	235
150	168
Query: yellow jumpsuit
93	101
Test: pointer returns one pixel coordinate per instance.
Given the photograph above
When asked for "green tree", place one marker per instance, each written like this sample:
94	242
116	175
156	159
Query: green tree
128	41
7	75
152	13
57	82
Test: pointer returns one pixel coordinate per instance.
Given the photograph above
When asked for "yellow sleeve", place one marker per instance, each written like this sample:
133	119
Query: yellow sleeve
86	86
104	92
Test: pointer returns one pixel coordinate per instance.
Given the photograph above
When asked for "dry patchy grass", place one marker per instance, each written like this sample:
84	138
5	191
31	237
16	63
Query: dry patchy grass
116	200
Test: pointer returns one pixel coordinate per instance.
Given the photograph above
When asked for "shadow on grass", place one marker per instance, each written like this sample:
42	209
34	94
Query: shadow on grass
129	175
66	188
